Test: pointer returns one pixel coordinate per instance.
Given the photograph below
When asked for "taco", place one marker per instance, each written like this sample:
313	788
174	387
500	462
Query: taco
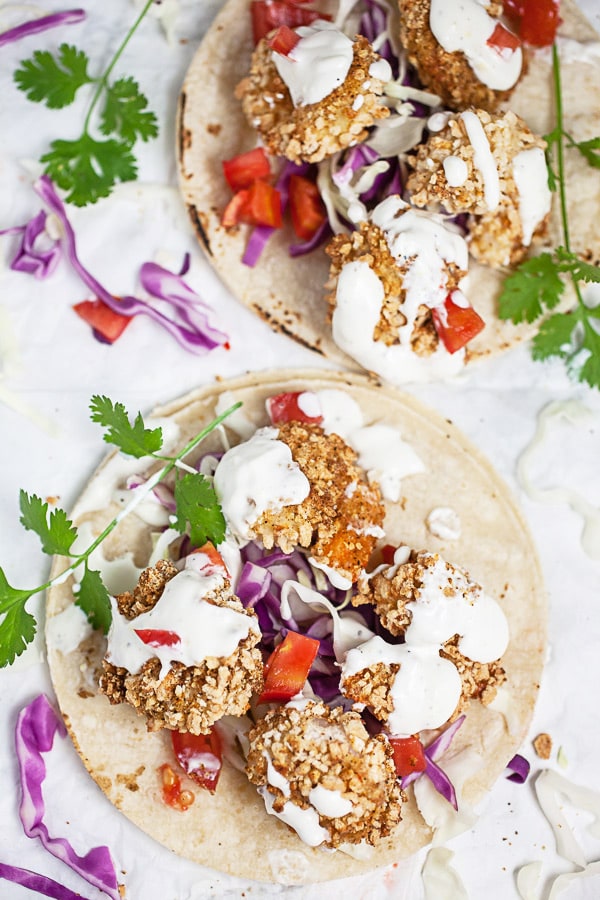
404	506
235	100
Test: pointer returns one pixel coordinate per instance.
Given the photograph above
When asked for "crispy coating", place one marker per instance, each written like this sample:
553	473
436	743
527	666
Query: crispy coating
313	132
318	746
187	698
341	518
495	236
449	75
389	590
368	244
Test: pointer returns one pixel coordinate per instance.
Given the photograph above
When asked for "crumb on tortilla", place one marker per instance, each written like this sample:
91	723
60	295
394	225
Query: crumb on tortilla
449	75
542	745
368	244
495	237
188	698
313	132
342	516
390	596
317	746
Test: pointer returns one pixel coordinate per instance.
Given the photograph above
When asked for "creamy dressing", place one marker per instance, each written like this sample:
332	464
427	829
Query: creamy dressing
426	689
308	403
255	477
386	457
317	65
455	170
535	198
204	630
329	803
336	578
483	158
66	631
465	26
305	822
444	522
359	298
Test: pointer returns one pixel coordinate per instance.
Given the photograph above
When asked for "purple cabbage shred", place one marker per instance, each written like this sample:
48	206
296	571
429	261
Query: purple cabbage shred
519	768
43	23
37	725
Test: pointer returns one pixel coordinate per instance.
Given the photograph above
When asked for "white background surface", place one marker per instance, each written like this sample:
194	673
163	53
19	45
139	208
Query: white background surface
49	368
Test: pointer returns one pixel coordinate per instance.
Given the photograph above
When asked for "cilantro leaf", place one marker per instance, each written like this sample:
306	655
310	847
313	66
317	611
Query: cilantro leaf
196	503
590	370
554	336
18	626
88	169
590	150
581	270
54	82
94	600
56	533
533	285
125	113
135	440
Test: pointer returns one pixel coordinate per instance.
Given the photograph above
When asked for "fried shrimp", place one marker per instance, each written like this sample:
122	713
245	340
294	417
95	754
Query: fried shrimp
311	131
180	696
493	168
318	769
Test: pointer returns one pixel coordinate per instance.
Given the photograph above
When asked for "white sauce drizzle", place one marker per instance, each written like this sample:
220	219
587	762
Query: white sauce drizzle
483	158
205	630
329	803
257	476
317	65
444	523
305	822
531	178
386	457
455	170
427	687
574	413
465	26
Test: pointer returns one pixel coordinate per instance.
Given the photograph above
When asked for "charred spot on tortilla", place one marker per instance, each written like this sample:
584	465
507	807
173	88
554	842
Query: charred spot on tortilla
201	231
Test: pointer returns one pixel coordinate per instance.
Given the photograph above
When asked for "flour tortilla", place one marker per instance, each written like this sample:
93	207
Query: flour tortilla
289	293
231	831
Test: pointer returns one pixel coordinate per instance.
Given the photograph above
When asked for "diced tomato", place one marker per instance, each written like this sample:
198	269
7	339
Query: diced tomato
536	21
171	789
107	324
259	204
456	325
241	170
157	637
208	560
288	666
387	554
200	756
270	14
306	206
283	40
286	408
409	755
502	39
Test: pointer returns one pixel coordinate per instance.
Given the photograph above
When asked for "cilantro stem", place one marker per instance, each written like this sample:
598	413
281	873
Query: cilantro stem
103	80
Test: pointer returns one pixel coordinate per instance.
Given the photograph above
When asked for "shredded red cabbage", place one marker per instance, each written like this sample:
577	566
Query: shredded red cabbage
41	884
519	767
30	258
190	327
441	782
37	726
436	775
35	26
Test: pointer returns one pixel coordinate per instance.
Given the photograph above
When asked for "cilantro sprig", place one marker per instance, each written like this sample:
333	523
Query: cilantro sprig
197	511
537	285
89	166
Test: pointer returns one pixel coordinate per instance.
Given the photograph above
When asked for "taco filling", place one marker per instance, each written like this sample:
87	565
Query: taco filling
423	103
310	660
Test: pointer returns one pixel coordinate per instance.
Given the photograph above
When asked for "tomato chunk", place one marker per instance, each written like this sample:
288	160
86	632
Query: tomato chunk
208	560
306	206
287	407
288	666
171	789
241	170
502	39
409	755
108	325
387	554
200	756
157	637
536	21
283	40
456	324
270	14
259	204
